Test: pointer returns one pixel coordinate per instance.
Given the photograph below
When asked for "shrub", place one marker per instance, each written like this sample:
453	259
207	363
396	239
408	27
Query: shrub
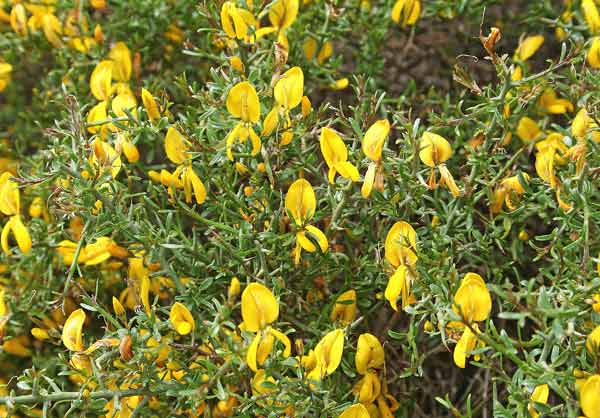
307	208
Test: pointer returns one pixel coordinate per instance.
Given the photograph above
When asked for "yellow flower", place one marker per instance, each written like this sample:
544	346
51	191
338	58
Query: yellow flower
310	48
372	146
472	300
52	29
368	388
589	397
508	192
328	355
467	343
118	307
552	104
259	307
105	157
356	411
288	93
369	354
242	102
399	286
233	22
121	56
406	12
593	55
300	202
150	105
434	151
344	308
528	129
97	119
237	64
592	17
340	84
72	336
181	319
10	202
336	156
325	52
176	146
128	148
544	167
289	88
18	19
528	46
16	226
283	13
101	80
400	243
5	73
539	395
234	288
592	343
262	345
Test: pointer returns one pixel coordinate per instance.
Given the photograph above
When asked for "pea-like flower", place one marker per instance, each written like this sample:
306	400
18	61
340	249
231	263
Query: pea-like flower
10	205
288	93
327	355
372	146
301	202
336	156
473	303
400	246
435	150
406	12
242	103
344	308
259	310
181	319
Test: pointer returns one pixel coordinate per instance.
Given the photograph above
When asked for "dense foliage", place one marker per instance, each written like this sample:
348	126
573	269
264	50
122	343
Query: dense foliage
303	208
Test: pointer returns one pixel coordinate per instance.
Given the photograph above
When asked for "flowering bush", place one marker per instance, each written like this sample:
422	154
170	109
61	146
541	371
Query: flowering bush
317	208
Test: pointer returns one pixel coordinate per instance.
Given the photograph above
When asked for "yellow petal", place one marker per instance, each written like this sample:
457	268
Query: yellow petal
300	201
325	52
372	143
355	411
259	307
369	180
465	345
10	201
590	397
284	339
181	319
150	105
251	354
593	55
121	57
283	13
101	80
329	352
398	242
242	102
398	286
145	293
21	234
310	48
97	114
473	298
176	146
406	12
289	88
369	353
304	242
319	236
592	17
344	308
528	129
434	149
528	47
72	336
540	394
